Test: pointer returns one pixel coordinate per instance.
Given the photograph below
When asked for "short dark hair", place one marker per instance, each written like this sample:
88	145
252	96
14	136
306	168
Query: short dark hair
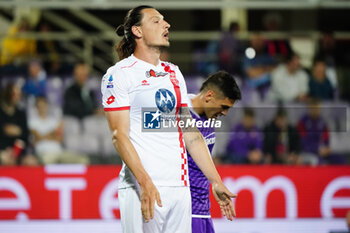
318	59
234	26
249	112
128	44
223	82
281	112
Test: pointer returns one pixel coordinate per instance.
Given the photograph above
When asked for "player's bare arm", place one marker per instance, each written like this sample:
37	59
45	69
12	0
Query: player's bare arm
196	146
119	125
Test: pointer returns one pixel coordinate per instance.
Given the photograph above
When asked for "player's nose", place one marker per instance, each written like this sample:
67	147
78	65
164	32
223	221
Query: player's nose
166	25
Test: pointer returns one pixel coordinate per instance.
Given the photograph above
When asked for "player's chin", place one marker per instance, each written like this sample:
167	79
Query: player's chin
164	44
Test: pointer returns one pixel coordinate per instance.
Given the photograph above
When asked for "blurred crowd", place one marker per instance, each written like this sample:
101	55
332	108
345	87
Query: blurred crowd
50	112
278	141
34	123
17	50
308	103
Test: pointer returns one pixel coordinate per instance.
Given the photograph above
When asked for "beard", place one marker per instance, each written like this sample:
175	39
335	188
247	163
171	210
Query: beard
160	48
164	47
158	45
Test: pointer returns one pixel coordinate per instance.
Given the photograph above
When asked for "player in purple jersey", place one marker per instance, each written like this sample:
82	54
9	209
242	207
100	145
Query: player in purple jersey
217	94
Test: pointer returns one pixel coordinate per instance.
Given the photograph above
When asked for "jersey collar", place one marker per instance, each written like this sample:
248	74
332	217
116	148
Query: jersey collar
146	63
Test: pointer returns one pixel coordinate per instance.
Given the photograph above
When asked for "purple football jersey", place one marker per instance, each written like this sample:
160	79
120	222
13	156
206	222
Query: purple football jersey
199	184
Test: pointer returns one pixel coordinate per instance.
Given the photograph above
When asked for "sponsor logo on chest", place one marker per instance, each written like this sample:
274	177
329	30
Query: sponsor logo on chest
155	74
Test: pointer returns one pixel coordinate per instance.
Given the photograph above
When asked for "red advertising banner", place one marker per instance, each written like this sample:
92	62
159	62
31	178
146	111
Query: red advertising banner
90	192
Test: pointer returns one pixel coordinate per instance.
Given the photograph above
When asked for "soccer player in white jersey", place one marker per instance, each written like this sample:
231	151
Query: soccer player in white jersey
154	193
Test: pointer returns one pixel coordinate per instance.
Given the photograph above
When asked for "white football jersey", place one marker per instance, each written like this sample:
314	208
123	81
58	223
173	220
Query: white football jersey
148	91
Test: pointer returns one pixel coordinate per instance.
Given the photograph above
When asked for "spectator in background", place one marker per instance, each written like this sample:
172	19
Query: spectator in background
48	51
229	50
17	50
281	141
333	55
35	84
245	142
13	128
257	65
280	49
319	85
48	132
327	48
79	101
314	133
289	82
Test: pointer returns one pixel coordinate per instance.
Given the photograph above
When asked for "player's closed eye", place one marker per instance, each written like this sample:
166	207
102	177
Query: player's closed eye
156	20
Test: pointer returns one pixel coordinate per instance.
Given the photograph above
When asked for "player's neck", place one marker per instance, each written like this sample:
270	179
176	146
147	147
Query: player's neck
148	54
197	106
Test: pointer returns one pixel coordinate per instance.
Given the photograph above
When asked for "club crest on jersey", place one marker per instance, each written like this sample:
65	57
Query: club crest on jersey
110	82
155	74
165	100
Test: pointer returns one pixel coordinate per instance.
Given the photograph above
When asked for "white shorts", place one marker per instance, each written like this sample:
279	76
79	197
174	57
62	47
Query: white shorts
173	217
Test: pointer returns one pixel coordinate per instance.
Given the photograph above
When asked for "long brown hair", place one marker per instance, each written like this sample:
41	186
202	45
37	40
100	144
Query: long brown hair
7	93
127	45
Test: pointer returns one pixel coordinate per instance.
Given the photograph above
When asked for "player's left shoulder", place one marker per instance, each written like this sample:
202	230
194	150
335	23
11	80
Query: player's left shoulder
172	68
170	65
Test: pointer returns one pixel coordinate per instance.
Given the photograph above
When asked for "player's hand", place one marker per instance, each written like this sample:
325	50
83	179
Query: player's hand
149	194
223	197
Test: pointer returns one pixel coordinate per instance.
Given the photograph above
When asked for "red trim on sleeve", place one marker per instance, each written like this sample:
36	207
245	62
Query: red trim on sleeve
117	109
184	105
